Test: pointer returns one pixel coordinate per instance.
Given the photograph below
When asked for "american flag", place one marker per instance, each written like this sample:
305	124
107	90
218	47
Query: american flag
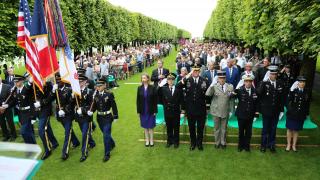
24	41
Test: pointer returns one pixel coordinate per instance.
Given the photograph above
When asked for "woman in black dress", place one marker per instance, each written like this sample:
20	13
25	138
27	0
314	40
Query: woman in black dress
298	110
147	108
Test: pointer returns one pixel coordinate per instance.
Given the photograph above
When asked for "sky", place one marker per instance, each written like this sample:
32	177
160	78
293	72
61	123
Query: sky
191	15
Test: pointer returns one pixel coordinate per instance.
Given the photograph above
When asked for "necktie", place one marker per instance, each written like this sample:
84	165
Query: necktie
182	64
171	90
160	71
222	88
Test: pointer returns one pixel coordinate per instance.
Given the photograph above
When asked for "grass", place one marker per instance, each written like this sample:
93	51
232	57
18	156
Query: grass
131	160
318	64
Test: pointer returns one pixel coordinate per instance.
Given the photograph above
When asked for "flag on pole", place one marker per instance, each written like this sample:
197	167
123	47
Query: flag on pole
68	71
48	63
58	36
24	41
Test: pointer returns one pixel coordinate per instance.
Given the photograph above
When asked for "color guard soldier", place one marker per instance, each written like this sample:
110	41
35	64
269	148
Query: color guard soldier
271	102
103	102
195	87
85	121
22	100
173	102
43	110
65	106
246	111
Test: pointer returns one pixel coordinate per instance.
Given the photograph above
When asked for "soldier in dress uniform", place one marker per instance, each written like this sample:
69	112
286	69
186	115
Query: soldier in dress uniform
103	102
288	79
271	102
23	102
298	110
195	88
65	105
220	108
173	102
246	111
43	110
85	121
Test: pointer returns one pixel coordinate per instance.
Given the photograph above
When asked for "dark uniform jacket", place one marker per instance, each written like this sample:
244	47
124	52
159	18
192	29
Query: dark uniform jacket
67	103
298	106
247	105
172	103
287	80
195	95
102	104
85	104
21	100
271	99
155	75
45	100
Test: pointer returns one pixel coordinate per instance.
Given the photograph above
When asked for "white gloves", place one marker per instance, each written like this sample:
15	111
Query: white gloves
5	106
54	88
30	80
90	113
115	120
61	113
79	112
36	104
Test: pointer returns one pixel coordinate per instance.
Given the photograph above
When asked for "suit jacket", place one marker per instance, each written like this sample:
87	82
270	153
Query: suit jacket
172	103
271	101
220	103
247	105
195	98
179	66
9	82
260	74
152	99
155	75
207	75
5	92
235	78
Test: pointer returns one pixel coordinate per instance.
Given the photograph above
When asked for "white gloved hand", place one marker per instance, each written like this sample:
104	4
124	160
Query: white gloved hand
36	104
79	112
61	113
181	115
115	120
5	106
54	87
90	113
30	80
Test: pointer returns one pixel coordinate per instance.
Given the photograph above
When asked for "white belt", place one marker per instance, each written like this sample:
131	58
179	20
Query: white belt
23	108
103	112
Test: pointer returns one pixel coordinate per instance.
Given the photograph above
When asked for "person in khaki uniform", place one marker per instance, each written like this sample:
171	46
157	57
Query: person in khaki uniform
221	93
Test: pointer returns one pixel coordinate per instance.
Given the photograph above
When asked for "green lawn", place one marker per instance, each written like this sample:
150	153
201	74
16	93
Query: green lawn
131	160
318	64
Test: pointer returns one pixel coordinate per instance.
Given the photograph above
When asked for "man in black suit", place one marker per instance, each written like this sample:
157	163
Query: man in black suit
271	102
6	116
159	74
183	63
195	87
172	100
246	111
10	78
262	70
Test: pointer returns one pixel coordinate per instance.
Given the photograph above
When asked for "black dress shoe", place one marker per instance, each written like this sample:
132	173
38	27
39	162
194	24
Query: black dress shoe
83	158
200	147
168	145
223	146
151	145
247	149
106	158
272	149
54	147
65	156
263	149
75	146
192	147
176	146
45	155
5	139
147	145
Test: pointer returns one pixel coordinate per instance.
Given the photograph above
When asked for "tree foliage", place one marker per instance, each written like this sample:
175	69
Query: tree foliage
284	25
